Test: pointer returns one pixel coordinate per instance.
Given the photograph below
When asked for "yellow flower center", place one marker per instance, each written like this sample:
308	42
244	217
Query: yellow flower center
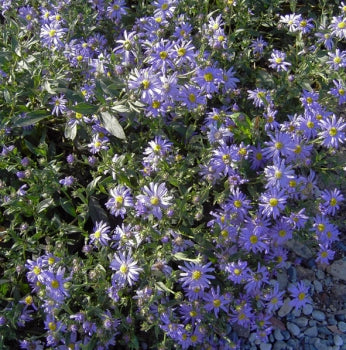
310	125
273	202
79	58
55	284
237	271
259	156
341	92
242	151
253	239
181	51
145	84
156	104
154	200
123	269
278	60
220	38
196	275
97	144
193	313
321	227
192	98
278	174
337	59
157	148
237	203
298	149
215	26
97	234
216	302
158	19
79	115
194	338
37	270
226	158
278	145
309	100
52	326
224	233
333	202
52	32
292	183
119	199
333	131
301	296
324	254
282	233
28	300
208	77
51	260
164	6
116	7
341	25
163	55
28	17
303	23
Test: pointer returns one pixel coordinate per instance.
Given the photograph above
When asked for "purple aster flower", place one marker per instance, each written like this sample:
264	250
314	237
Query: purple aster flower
238	203
158	148
338	27
154	199
277	256
147	83
277	61
59	105
36	268
215	301
196	275
324	255
127	270
184	54
273	202
52	34
292	21
306	25
260	97
31	344
257	158
224	159
297	219
256	279
67	181
160	56
280	144
116	10
120	200
332	133
191	97
253	240
126	235
281	232
332	199
278	175
55	284
337	59
98	144
22	190
242	314
339	91
238	272
299	293
325	38
100	234
258	46
230	81
274	299
209	79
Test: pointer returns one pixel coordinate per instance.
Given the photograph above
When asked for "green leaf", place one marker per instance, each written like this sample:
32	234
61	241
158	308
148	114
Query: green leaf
161	286
70	131
84	108
112	125
30	119
68	207
183	256
96	212
46	203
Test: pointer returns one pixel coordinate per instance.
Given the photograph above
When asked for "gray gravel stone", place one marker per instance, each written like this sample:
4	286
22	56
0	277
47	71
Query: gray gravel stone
312	323
286	308
264	346
332	321
320	274
301	322
318	315
338	340
279	345
342	326
318	286
293	328
311	332
278	335
307	309
296	312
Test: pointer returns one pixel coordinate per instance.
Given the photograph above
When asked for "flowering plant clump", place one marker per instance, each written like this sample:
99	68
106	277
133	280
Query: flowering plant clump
158	159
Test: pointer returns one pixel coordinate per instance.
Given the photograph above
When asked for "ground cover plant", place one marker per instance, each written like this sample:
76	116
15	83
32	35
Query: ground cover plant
156	159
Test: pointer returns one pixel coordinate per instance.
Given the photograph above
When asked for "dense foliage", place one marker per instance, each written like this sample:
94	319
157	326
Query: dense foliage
158	159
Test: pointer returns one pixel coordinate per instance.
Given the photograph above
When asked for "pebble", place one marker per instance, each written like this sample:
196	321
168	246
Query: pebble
279	345
338	269
318	286
278	335
307	309
296	312
293	328
342	326
320	274
318	315
338	340
282	279
301	322
311	332
264	346
285	308
332	321
292	274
